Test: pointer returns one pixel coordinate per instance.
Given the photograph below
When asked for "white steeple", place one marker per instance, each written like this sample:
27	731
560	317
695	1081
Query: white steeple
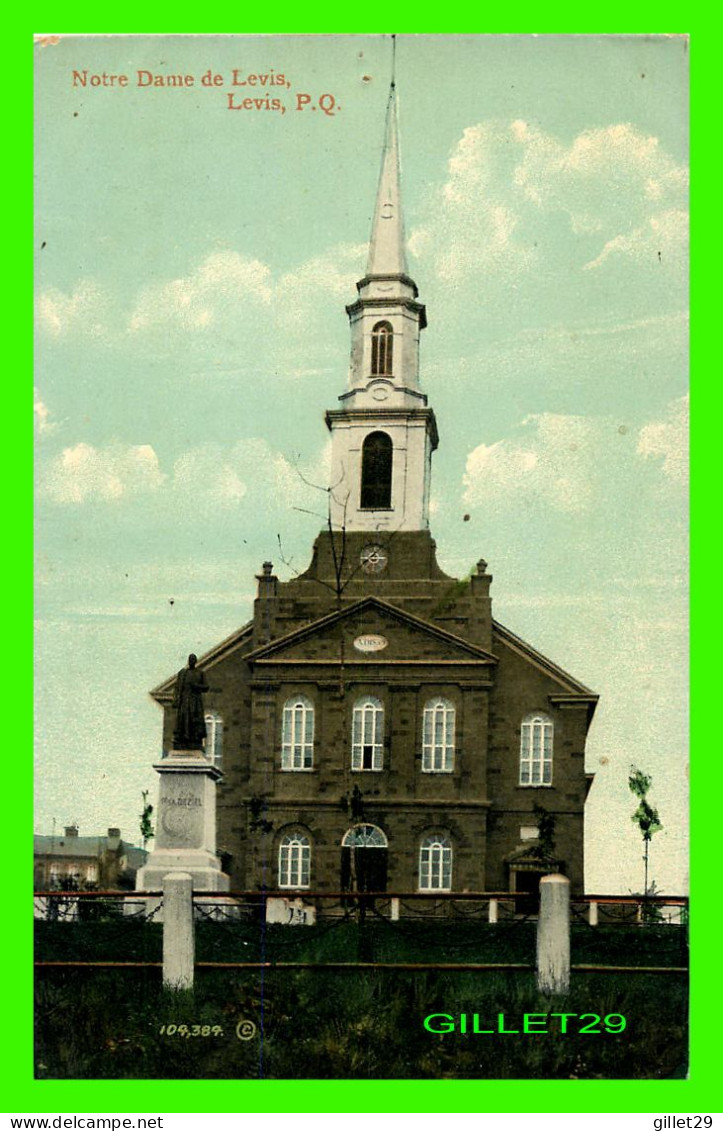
386	245
384	434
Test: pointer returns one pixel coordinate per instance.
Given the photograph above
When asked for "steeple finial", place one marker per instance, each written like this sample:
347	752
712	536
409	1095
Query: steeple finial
386	246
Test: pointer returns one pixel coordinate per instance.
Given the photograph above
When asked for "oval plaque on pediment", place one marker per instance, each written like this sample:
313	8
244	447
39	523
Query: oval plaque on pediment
370	642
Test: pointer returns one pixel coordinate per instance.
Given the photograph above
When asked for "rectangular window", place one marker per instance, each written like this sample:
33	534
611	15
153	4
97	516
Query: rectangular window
367	735
536	751
438	737
297	740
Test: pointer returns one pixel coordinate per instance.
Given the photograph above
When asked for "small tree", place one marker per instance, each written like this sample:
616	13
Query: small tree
146	826
645	816
545	847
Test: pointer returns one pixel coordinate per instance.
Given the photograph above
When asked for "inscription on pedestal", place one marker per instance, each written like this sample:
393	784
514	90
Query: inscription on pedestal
180	823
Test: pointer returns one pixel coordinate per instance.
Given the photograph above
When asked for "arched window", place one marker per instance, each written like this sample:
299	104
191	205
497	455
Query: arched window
364	836
213	743
294	861
438	736
382	345
367	734
536	750
376	474
297	734
435	863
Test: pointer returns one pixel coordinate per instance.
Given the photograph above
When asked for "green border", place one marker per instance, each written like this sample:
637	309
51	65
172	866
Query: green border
25	1095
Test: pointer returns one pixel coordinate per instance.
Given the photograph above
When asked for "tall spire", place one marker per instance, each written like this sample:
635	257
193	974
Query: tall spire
386	246
383	434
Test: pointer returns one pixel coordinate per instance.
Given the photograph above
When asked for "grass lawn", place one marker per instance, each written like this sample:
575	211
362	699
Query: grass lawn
359	1024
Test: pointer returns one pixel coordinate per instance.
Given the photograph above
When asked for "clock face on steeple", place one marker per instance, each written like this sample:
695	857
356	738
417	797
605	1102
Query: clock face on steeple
373	558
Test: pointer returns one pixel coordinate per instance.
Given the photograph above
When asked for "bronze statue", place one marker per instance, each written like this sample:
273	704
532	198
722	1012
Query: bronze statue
190	729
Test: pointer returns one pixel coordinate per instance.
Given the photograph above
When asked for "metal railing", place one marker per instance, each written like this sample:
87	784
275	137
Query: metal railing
412	920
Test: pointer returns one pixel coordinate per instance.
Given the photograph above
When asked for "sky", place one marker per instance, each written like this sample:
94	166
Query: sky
195	248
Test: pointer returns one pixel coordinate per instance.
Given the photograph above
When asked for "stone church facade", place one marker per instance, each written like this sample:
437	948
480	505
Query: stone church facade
376	728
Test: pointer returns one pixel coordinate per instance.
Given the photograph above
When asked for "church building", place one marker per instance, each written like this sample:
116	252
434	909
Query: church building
377	729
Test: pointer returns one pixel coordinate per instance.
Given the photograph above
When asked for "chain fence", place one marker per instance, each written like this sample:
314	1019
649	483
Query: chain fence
319	930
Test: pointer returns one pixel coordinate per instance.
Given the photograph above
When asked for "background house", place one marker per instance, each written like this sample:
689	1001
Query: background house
68	860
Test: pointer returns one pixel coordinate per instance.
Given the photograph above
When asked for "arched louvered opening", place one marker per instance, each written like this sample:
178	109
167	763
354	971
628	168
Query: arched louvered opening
382	349
376	476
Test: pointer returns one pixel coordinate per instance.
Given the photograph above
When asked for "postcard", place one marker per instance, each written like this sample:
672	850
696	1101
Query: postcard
361	431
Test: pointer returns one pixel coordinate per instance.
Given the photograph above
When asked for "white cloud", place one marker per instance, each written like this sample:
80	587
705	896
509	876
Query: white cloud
614	184
228	303
223	478
569	464
210	478
208	473
610	171
554	462
668	440
85	311
664	235
328	276
42	422
238	303
473	222
224	283
84	473
497	217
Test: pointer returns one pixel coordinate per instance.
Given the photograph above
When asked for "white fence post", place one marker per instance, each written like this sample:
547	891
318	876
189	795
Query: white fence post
553	936
394	909
492	911
592	913
178	939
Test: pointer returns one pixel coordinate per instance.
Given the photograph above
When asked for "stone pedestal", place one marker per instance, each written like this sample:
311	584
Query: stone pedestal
185	839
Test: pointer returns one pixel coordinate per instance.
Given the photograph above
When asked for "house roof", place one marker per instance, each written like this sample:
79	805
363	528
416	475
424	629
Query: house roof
208	659
80	847
134	857
571	687
577	691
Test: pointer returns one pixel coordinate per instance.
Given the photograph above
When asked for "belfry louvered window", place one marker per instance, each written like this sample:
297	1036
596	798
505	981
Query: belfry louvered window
376	471
367	738
382	346
536	750
297	738
438	736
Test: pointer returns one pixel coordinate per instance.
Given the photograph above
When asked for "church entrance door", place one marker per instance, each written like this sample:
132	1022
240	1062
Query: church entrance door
528	882
364	859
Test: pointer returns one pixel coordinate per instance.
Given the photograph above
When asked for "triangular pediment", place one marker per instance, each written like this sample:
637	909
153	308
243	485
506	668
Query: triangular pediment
531	857
371	631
